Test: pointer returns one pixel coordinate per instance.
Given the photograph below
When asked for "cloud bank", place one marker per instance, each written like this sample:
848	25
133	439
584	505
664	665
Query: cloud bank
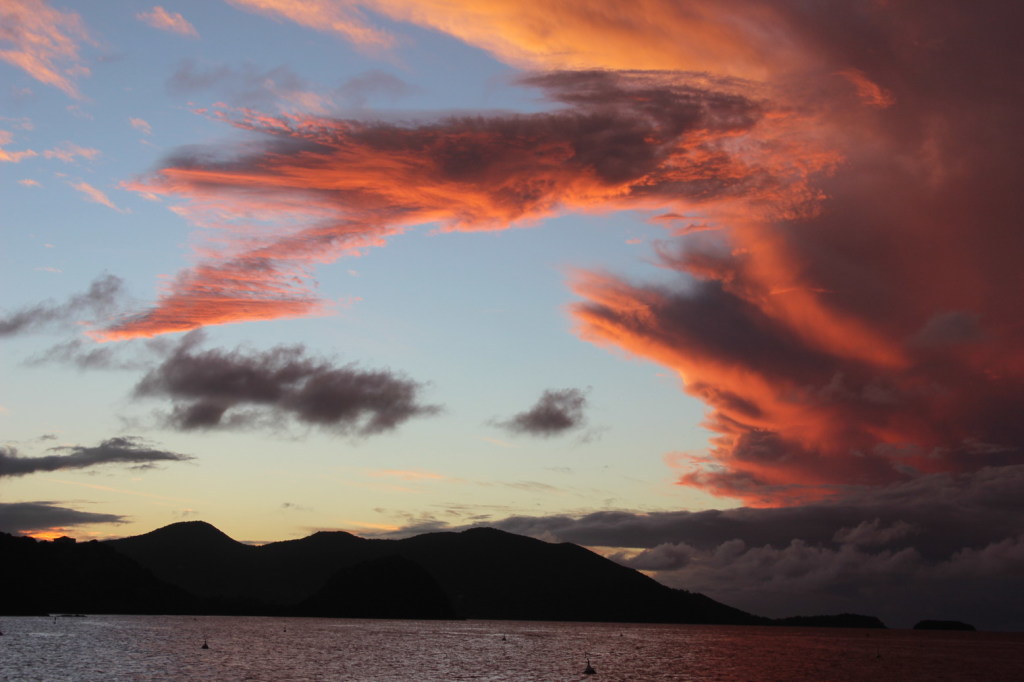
941	546
25	517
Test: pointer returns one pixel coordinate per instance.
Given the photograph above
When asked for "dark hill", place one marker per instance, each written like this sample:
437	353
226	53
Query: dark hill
290	570
491	574
39	577
389	587
196	557
482	573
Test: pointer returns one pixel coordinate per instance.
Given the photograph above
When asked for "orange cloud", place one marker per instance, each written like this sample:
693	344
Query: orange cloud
43	42
735	37
868	91
174	22
325	188
241	290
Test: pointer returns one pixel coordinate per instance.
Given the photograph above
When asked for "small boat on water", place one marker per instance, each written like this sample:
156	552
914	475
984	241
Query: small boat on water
589	670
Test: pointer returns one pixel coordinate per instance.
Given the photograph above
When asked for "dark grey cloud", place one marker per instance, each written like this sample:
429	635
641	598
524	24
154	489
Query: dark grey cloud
245	388
554	413
250	86
245	85
359	90
18	517
118	450
86	355
102	299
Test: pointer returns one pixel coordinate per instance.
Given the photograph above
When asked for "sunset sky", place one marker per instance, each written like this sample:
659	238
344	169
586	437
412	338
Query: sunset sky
729	291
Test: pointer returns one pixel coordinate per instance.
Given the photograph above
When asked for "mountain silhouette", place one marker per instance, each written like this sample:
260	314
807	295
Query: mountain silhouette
65	576
480	573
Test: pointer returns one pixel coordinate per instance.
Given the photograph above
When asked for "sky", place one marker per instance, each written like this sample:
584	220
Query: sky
729	291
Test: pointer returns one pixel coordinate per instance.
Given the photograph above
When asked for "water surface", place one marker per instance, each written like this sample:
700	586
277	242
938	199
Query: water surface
286	649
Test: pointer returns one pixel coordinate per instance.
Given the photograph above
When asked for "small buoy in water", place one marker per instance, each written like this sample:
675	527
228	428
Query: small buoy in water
503	638
589	670
205	645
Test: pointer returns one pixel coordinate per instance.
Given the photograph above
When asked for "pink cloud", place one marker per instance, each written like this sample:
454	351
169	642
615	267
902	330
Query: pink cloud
68	151
322	15
141	125
43	42
12	157
174	22
96	196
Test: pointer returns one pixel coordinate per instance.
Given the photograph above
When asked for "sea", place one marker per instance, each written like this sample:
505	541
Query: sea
113	648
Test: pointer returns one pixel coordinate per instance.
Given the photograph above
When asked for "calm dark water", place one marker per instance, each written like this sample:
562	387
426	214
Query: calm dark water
284	649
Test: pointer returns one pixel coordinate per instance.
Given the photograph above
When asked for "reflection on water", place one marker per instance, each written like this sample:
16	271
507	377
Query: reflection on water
285	649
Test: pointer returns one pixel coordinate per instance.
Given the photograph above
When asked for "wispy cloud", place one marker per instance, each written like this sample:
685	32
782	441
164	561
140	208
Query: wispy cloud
43	42
141	125
96	196
173	22
119	450
104	297
12	157
68	151
344	19
406	474
86	354
250	86
122	491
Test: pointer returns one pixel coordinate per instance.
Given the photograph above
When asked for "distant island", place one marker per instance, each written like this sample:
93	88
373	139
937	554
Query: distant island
480	573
